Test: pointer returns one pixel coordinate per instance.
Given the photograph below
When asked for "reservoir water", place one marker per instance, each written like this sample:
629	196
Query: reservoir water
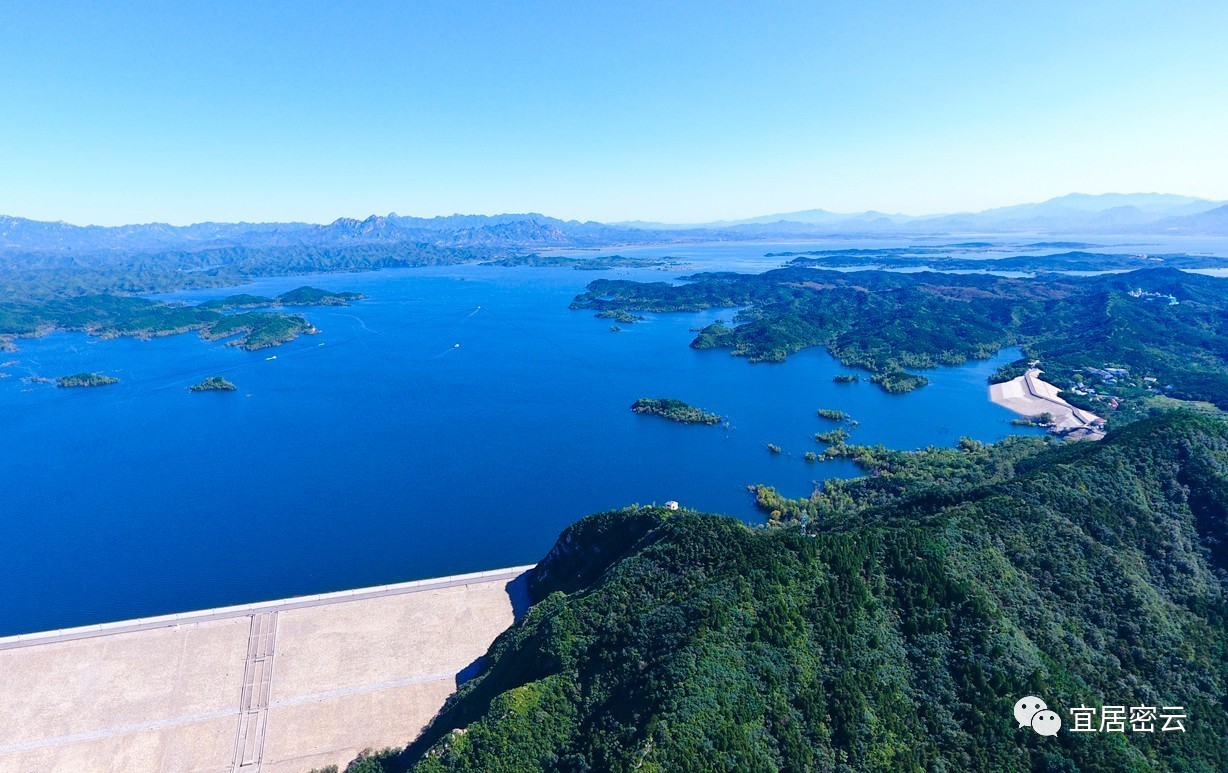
454	421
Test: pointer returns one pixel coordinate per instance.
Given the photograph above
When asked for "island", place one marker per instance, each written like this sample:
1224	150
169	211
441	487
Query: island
618	315
314	296
674	410
253	331
85	380
213	384
832	415
899	381
846	378
835	437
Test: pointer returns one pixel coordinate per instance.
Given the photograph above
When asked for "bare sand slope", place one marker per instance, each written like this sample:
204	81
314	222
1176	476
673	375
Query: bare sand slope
1028	395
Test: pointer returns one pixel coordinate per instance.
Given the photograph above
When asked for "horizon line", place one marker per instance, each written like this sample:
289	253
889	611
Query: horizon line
622	222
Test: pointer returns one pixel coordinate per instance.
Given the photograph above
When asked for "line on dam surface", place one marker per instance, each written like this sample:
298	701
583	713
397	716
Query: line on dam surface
269	687
246	610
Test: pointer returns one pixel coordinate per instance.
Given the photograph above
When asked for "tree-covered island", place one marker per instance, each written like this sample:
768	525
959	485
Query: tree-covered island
253	331
899	381
619	315
834	437
674	410
85	380
213	384
314	296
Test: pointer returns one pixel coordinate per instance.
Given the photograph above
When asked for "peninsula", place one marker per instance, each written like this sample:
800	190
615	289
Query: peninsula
1162	328
949	572
941	259
674	410
593	263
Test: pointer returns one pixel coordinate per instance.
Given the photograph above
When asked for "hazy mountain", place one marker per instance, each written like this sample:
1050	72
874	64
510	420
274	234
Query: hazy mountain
1155	203
497	231
1211	221
38	236
1076	213
821	216
785	220
1073	213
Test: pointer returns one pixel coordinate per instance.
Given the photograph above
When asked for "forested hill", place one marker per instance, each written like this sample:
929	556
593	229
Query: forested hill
1165	324
893	637
57	275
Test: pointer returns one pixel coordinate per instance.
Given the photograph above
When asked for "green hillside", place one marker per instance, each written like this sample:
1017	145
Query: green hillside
894	631
111	316
1167	329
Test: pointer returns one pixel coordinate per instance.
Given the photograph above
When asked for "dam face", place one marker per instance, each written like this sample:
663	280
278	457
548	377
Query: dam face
279	687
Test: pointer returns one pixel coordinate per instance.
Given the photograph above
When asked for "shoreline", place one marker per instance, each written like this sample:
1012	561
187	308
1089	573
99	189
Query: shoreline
131	625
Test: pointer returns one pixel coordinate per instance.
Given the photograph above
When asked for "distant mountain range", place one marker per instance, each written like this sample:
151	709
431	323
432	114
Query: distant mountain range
1072	213
496	231
1076	213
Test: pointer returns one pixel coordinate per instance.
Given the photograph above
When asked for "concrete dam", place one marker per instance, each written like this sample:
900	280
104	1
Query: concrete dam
272	687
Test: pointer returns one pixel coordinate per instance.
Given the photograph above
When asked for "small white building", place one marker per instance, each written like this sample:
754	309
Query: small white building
671	505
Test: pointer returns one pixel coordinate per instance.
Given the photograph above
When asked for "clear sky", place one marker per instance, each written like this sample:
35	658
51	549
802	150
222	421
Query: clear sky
181	112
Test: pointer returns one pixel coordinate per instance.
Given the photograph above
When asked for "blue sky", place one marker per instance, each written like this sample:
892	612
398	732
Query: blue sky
182	112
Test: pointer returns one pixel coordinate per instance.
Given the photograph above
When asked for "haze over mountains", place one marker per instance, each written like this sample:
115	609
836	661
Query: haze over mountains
1108	212
1076	213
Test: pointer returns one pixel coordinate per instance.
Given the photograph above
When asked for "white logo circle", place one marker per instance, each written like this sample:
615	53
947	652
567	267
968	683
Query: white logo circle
1046	722
1026	708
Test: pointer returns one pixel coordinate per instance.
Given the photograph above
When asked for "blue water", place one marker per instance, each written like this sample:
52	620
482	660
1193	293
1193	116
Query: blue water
381	451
